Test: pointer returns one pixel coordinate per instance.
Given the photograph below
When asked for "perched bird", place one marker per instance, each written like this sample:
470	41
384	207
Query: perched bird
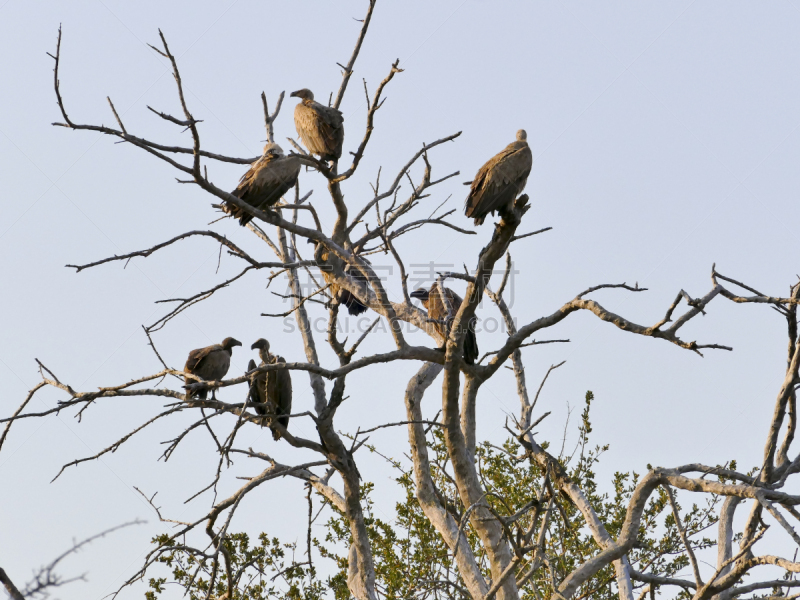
273	387
320	127
269	178
500	180
437	309
342	295
210	364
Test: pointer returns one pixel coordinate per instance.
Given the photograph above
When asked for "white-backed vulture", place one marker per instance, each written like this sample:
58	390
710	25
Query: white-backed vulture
271	387
210	363
342	295
353	304
500	180
320	127
269	178
432	301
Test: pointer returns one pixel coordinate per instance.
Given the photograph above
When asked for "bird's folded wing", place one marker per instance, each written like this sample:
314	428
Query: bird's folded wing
197	356
481	189
245	182
278	173
515	166
331	116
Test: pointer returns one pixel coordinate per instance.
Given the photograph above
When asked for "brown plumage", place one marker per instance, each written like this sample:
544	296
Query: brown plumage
271	387
210	363
500	180
342	295
437	309
269	178
320	127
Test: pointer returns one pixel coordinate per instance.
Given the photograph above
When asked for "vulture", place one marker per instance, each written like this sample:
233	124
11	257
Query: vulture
354	305
432	301
210	363
500	180
273	387
320	127
269	178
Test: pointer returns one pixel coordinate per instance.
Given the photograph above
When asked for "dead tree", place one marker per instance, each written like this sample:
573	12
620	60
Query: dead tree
512	553
47	578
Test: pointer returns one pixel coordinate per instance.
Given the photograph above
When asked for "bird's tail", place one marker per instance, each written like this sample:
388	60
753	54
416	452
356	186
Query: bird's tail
284	420
471	344
196	395
237	213
353	304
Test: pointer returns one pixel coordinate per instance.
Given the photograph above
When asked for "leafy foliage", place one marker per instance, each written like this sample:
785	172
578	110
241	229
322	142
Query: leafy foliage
268	569
412	561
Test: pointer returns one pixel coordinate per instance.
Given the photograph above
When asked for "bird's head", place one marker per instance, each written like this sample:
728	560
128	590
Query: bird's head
522	135
304	94
228	343
421	294
273	149
260	344
320	251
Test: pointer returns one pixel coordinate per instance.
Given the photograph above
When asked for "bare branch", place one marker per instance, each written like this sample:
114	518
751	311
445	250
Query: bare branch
373	107
12	590
348	69
115	446
524	235
396	183
235	250
269	119
624	286
682	531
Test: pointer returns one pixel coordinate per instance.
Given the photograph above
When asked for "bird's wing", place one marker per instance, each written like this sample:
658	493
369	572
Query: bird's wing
455	300
253	393
266	181
490	188
471	351
283	394
321	127
332	117
246	182
331	127
245	191
516	166
353	304
480	192
197	357
215	364
283	389
271	382
470	339
278	175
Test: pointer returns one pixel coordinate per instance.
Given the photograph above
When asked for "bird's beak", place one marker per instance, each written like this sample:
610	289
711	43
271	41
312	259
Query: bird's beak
255	346
294	94
419	294
236	343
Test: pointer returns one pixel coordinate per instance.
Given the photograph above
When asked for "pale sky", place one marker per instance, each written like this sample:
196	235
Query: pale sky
665	138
